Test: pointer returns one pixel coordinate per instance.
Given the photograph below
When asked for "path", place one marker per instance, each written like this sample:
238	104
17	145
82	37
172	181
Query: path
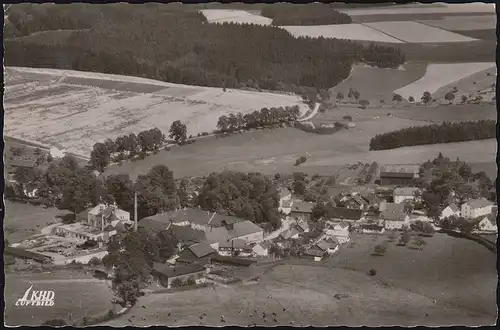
285	225
312	114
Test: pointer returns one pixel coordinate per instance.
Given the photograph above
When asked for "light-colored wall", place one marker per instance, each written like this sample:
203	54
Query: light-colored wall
252	238
86	258
468	212
400	199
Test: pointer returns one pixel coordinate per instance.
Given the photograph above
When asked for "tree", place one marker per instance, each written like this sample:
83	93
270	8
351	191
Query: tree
100	157
405	237
449	97
419	242
340	97
356	95
324	95
49	158
300	160
350	94
380	249
411	99
372	272
463	99
426	97
178	132
364	103
38	151
299	183
191	281
176	283
223	123
110	145
397	98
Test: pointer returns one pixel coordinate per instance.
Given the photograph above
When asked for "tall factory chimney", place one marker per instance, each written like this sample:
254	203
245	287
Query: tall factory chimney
135	211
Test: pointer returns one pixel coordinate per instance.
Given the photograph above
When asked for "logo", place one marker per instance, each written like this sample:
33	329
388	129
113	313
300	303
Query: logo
38	298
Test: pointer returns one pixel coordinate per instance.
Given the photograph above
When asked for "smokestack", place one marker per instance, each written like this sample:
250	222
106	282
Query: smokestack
135	211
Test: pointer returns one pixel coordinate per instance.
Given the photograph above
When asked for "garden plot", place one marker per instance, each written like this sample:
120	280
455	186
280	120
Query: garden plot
463	23
234	16
422	9
415	32
78	109
439	75
341	31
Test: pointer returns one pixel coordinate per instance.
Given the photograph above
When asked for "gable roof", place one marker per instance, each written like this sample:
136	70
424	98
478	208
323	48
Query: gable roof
201	249
313	252
219	234
284	192
479	203
169	271
406	168
244	228
187	235
289	233
454	207
324	245
235	244
333	192
405	191
345	213
302	226
302	207
84	215
21	163
393	212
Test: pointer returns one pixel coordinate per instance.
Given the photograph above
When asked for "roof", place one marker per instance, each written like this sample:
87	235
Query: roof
21	253
454	207
170	271
186	235
313	253
358	199
219	234
201	249
233	260
406	168
479	203
244	228
396	175
491	218
235	243
302	207
84	215
289	233
405	191
393	212
287	203
345	213
284	192
302	225
323	245
21	163
336	191
152	225
187	256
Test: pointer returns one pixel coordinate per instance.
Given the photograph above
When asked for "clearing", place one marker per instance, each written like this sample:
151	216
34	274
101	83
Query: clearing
298	295
79	298
234	16
77	109
414	32
463	23
24	220
439	75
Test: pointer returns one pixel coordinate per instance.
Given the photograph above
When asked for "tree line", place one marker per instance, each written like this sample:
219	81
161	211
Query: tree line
181	47
263	118
310	14
436	133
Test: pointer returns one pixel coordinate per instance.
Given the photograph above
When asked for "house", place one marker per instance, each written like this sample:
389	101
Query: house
328	246
199	252
186	236
314	253
214	236
165	275
302	210
26	256
340	231
291	233
286	207
102	215
14	164
476	208
450	210
302	227
488	224
394	216
406	194
285	196
247	231
339	214
230	248
233	261
261	249
353	200
399	174
337	192
371	228
155	224
57	151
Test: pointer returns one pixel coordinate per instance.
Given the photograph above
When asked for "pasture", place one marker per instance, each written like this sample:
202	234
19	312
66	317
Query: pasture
488	35
24	220
414	32
452	270
234	16
75	295
463	23
437	8
439	75
297	295
77	109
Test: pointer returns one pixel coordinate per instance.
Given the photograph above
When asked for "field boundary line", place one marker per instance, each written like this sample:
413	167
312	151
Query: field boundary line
387	34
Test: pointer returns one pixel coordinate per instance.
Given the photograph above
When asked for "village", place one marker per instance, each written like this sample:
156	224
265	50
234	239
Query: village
210	245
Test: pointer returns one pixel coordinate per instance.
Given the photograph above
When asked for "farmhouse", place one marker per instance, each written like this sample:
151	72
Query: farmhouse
285	199
476	208
450	210
338	230
328	246
199	252
406	194
186	236
215	236
26	256
394	216
488	224
102	216
291	233
165	275
399	174
302	210
314	253
247	231
337	191
229	248
340	214
261	249
57	151
302	227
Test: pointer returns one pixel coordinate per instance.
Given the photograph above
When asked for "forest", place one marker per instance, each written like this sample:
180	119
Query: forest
437	133
306	14
179	46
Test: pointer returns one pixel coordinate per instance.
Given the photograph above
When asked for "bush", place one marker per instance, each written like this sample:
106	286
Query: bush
300	160
372	272
176	283
347	118
191	281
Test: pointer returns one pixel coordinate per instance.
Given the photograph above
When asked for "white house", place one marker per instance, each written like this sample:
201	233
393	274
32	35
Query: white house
476	208
261	249
286	207
285	198
394	216
57	151
338	230
404	194
450	210
488	224
31	193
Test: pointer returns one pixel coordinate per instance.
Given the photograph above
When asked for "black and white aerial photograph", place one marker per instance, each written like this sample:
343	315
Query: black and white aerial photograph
250	164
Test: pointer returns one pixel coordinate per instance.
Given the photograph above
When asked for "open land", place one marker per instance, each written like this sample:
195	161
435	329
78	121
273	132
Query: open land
463	23
77	109
234	16
445	9
410	286
74	294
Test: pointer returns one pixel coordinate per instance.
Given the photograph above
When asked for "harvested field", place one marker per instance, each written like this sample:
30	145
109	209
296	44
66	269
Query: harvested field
234	16
463	23
80	298
77	109
341	31
24	220
419	9
375	84
442	270
439	75
298	295
414	32
490	34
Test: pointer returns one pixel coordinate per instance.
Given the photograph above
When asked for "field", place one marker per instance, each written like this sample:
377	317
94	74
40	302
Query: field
419	9
234	16
73	294
77	109
367	81
303	294
439	75
463	23
448	269
24	220
415	32
489	34
51	37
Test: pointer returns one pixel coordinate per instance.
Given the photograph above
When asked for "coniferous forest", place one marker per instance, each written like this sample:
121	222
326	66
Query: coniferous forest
177	45
431	134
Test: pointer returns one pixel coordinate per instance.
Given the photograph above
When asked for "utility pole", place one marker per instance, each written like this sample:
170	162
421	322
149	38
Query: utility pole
135	210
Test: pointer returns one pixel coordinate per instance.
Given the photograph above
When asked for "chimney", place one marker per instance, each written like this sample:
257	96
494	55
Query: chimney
135	211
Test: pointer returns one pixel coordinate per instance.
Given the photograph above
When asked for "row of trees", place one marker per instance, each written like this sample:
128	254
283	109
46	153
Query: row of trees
437	133
178	46
310	14
263	118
